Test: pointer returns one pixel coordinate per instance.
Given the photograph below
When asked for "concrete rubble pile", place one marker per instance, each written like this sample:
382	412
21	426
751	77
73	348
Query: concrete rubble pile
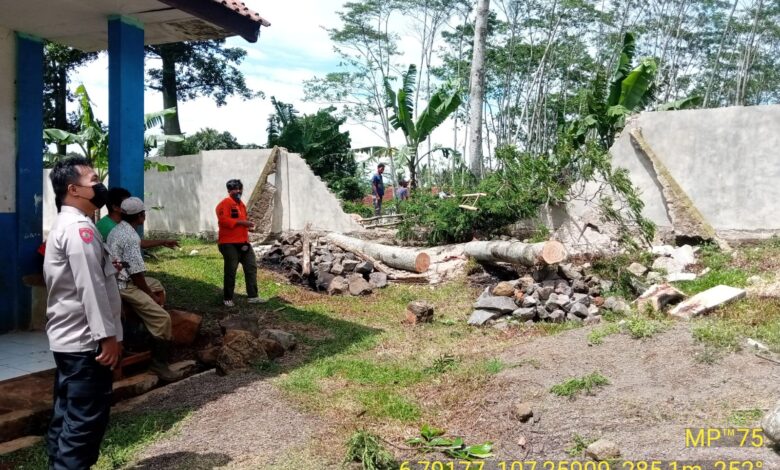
553	294
332	269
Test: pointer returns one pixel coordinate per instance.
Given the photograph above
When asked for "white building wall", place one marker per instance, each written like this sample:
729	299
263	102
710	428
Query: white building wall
7	122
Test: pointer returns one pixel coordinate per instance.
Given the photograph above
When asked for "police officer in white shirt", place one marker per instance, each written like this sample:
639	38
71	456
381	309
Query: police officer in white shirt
84	323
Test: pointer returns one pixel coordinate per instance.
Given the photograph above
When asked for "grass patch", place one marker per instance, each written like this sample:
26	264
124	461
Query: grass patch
597	336
366	448
126	437
708	355
493	366
734	277
721	334
578	445
745	418
640	327
385	403
574	386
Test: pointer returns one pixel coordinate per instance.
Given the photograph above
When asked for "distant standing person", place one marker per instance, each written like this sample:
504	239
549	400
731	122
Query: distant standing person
84	317
378	189
234	244
402	193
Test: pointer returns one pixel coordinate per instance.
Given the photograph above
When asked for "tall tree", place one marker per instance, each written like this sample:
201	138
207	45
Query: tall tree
209	139
59	62
192	69
367	46
477	91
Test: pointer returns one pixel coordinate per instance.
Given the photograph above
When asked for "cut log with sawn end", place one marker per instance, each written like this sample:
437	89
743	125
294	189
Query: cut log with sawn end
526	254
393	256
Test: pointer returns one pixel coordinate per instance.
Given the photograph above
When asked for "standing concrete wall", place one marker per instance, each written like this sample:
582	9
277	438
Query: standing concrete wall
727	160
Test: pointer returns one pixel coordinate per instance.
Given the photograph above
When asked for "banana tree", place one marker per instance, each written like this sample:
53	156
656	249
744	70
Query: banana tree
608	105
92	137
443	103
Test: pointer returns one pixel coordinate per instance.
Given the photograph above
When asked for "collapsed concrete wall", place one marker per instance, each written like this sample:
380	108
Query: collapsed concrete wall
183	201
726	160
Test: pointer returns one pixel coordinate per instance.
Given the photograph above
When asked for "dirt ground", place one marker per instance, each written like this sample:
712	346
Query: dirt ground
656	390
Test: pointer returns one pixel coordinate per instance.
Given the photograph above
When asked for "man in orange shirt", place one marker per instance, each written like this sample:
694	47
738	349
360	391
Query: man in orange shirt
234	244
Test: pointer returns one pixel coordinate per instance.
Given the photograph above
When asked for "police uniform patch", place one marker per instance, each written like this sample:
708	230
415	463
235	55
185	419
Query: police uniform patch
87	235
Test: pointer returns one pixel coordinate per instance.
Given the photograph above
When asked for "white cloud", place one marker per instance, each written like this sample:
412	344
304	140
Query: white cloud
295	48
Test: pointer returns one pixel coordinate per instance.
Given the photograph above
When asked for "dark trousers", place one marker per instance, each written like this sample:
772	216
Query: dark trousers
378	205
234	253
82	400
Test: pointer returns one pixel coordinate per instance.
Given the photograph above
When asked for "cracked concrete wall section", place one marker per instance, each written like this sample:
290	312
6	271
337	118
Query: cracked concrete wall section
724	159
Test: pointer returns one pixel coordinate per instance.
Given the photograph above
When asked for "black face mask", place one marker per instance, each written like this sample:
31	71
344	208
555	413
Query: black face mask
101	195
236	196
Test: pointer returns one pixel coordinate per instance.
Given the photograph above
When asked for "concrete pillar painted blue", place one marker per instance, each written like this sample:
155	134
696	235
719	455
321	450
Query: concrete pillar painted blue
23	237
126	104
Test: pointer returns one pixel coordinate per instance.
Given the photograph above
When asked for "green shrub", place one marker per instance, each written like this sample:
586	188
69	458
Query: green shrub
357	208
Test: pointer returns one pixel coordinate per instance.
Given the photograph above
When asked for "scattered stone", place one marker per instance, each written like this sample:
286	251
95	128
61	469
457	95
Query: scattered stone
194	253
617	305
184	326
419	311
678	277
184	368
240	349
594	320
504	289
637	269
525	282
753	280
366	267
240	322
662	250
658	297
337	269
606	285
572	317
519	297
287	340
563	288
592	310
580	286
323	280
480	317
525	314
529	301
583	299
523	412
597	301
557	316
338	286
569	271
707	301
500	304
350	265
602	450
358	285
544	292
378	280
501	324
579	310
555	302
667	265
756	344
771	424
684	255
654	277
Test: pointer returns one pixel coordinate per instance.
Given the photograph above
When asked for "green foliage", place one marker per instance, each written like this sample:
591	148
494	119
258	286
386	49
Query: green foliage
366	448
576	385
209	139
318	139
433	440
640	327
597	336
579	444
443	102
92	136
357	208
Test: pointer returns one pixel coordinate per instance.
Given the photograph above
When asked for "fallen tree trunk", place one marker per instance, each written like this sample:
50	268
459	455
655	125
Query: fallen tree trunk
393	256
526	254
